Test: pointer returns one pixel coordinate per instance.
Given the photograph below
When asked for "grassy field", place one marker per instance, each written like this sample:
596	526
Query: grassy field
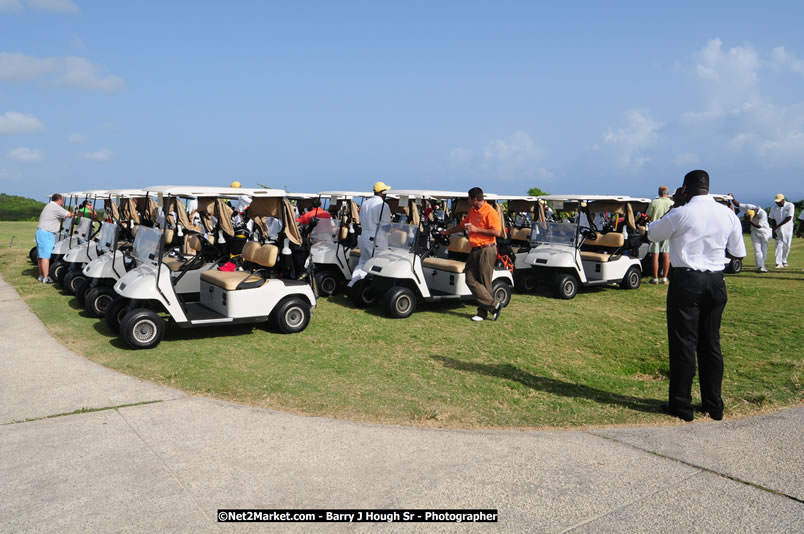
599	359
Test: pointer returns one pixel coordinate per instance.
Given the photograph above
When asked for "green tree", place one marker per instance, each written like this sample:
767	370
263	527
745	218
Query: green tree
536	192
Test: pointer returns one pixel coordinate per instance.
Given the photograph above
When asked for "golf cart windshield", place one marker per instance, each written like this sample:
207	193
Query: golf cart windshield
555	233
397	236
146	244
108	235
84	227
325	231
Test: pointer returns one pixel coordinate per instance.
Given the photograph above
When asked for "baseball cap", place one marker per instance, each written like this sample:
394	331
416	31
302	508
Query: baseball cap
235	184
380	186
779	198
750	213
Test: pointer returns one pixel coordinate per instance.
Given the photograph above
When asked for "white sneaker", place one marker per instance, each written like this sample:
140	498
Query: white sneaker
41	278
665	281
478	318
779	266
654	281
762	270
48	280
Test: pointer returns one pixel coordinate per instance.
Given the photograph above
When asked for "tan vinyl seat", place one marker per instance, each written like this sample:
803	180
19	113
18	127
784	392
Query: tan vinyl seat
459	243
264	255
355	252
442	264
520	234
613	240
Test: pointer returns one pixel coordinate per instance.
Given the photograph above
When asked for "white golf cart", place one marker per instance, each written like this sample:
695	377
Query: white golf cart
735	265
589	246
412	261
334	251
255	295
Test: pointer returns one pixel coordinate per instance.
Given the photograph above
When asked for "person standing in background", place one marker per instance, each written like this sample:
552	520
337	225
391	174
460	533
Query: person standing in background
782	214
760	232
49	223
660	249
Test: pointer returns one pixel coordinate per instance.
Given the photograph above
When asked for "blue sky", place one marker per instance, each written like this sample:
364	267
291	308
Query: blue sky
572	97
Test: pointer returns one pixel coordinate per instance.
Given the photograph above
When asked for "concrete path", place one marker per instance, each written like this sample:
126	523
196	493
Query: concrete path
170	464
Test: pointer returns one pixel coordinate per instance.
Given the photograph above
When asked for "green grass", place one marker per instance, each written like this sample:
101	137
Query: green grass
598	359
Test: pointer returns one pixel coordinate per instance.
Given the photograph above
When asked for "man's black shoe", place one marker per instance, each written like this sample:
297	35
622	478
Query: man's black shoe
717	415
496	313
668	410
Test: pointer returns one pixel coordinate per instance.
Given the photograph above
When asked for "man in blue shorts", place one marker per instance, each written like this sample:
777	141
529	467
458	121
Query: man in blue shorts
49	223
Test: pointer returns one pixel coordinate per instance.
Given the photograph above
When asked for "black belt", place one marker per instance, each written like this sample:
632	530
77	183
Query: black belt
688	270
484	246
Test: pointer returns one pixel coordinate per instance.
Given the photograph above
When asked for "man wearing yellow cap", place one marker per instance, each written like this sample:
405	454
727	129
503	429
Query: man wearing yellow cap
760	232
782	214
373	212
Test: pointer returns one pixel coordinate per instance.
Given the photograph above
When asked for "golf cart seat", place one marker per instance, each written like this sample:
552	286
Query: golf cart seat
176	264
355	252
612	241
443	264
459	243
264	255
520	234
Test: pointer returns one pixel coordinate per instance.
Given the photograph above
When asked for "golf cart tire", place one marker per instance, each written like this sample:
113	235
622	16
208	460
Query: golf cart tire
566	286
73	280
501	292
400	302
632	278
115	313
326	282
292	315
81	294
525	281
142	328
33	255
99	300
58	269
735	266
362	295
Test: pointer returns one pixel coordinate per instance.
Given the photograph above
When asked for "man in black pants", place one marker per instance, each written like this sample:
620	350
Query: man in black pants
701	233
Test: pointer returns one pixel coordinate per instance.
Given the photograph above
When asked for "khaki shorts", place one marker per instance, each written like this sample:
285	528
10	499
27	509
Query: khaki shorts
659	246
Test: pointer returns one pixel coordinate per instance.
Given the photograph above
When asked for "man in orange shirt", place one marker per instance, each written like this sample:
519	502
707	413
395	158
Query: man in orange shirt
482	225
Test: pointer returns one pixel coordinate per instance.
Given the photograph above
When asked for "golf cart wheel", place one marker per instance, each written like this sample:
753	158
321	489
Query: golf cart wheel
566	286
142	328
99	300
326	283
81	294
525	281
115	313
400	302
735	266
632	278
73	280
362	294
33	255
292	315
501	292
58	269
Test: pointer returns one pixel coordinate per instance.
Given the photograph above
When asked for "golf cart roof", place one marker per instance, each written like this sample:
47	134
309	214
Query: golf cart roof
526	198
428	193
593	198
296	196
207	191
346	194
127	192
721	197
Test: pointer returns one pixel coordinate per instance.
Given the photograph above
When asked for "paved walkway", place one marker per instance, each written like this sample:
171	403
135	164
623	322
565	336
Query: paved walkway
155	459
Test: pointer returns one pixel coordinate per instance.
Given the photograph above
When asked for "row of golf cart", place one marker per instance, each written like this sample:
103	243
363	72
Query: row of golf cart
189	255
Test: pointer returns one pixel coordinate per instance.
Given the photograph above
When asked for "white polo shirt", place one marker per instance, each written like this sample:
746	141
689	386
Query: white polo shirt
760	218
700	233
780	213
51	217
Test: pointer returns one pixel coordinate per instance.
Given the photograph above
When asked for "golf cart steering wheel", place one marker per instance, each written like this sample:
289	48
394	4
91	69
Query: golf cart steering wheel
588	233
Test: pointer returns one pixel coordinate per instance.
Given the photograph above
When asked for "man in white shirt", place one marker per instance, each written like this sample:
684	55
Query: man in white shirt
49	224
701	233
760	232
782	214
373	212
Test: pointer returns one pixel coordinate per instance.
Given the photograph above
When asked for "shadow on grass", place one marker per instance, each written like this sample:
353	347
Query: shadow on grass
340	299
550	385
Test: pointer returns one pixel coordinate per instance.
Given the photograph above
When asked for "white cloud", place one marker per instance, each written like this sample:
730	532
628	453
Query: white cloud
685	159
100	155
25	154
76	139
628	145
782	60
77	43
519	146
515	158
59	6
459	156
10	6
72	71
13	122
